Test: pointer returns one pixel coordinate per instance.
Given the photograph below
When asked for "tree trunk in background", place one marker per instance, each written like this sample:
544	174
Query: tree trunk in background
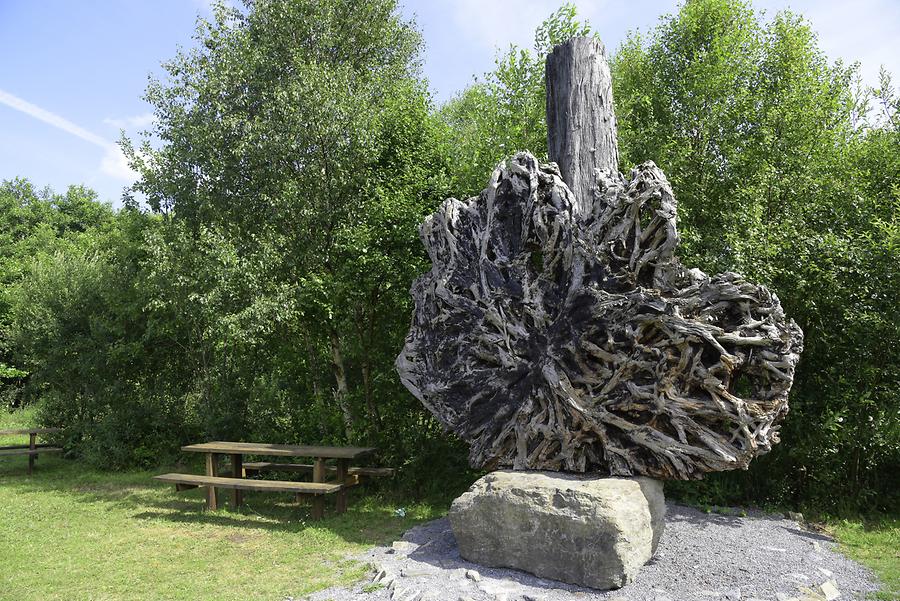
581	124
366	329
311	353
341	390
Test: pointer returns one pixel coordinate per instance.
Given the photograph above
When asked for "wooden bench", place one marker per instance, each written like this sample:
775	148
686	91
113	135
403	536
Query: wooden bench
25	446
316	490
32	449
25	450
353	473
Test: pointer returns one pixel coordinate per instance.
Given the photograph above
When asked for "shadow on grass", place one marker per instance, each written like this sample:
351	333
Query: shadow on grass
370	519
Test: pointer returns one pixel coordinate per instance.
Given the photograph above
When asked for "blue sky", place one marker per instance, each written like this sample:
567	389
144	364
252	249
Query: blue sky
72	73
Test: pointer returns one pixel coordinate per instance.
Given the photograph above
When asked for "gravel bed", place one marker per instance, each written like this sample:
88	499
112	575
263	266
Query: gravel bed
701	557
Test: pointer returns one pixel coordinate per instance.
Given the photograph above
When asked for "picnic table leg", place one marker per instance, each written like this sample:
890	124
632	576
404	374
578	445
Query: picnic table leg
318	501
32	439
237	471
318	507
211	500
319	470
342	465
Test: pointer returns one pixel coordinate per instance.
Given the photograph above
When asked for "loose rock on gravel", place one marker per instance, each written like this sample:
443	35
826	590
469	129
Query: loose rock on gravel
701	557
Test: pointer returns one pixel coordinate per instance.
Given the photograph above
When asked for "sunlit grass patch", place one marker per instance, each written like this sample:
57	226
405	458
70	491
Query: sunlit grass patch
875	543
70	532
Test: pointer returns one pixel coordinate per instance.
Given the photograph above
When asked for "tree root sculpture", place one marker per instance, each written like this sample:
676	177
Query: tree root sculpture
556	329
556	338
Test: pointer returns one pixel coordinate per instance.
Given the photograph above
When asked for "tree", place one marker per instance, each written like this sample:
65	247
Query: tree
296	139
772	156
781	173
35	223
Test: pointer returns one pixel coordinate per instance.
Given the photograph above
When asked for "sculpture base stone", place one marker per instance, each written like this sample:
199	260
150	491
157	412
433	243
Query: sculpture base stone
583	530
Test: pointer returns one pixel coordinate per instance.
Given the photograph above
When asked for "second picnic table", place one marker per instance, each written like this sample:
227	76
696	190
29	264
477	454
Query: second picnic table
238	482
32	449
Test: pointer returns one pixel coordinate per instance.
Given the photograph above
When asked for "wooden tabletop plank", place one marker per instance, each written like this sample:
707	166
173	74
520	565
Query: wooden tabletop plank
30	431
283	450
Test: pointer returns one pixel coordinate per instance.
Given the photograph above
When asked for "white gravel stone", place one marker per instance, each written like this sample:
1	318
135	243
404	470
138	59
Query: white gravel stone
830	589
695	561
405	547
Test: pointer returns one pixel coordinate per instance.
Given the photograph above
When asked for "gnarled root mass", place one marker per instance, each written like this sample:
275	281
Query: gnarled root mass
555	339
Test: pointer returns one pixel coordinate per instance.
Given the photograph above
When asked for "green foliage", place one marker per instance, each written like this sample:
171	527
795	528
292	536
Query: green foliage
491	120
266	294
81	330
269	297
782	174
786	169
36	223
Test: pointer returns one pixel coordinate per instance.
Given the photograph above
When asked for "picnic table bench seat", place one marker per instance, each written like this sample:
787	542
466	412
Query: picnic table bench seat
26	450
314	489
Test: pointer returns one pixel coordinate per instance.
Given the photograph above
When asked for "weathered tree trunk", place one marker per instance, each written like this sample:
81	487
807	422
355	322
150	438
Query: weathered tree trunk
367	338
581	124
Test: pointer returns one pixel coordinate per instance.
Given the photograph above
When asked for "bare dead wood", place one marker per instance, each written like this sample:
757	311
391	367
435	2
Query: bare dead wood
581	123
551	342
557	330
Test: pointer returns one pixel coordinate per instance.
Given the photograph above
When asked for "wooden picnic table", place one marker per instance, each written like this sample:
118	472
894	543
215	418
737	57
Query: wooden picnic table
319	454
32	449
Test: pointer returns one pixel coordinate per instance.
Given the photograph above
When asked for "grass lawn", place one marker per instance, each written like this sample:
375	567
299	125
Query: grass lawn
69	532
875	543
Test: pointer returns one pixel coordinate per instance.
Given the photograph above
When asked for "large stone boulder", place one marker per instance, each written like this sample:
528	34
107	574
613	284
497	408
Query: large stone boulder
589	531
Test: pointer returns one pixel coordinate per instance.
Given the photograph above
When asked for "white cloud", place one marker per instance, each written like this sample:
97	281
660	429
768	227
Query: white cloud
499	23
113	164
134	122
52	119
864	30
